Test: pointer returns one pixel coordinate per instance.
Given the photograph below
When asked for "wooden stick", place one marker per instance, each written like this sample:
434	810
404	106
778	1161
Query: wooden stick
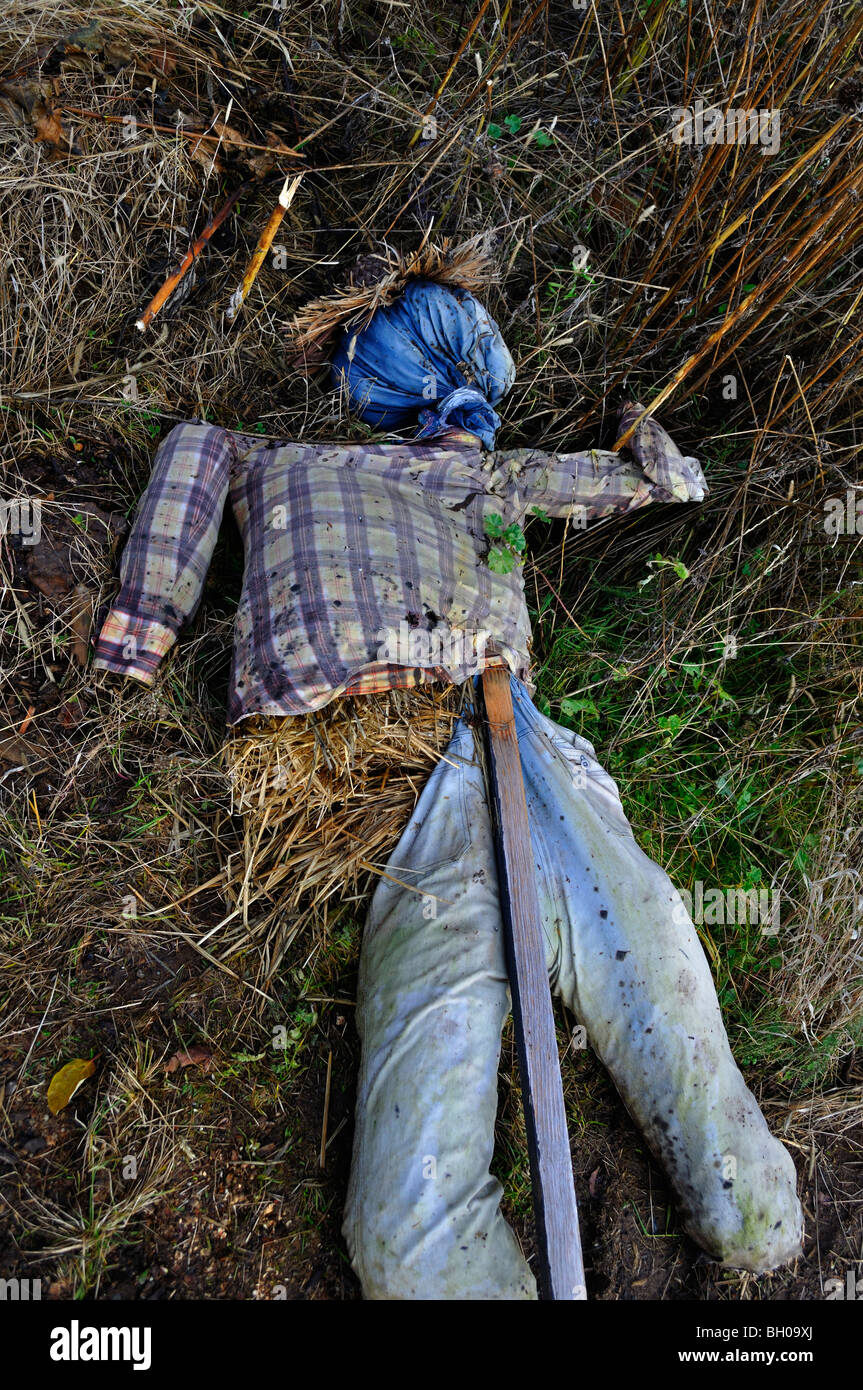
265	241
561	1269
198	135
193	252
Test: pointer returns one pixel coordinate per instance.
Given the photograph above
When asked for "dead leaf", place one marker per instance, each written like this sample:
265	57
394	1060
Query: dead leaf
614	201
24	94
65	541
49	568
35	99
193	1057
202	151
15	751
70	713
262	165
66	1082
117	53
81	618
11	112
49	128
248	153
231	138
75	62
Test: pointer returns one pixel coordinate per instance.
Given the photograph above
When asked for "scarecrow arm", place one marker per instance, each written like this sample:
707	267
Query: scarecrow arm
678	477
168	552
596	482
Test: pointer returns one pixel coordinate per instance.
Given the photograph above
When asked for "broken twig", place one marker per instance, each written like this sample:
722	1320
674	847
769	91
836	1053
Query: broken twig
265	241
188	260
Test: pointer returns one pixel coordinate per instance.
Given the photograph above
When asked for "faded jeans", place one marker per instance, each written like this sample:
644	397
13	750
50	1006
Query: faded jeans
423	1217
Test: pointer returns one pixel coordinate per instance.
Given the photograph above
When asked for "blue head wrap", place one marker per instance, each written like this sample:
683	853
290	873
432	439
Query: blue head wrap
435	351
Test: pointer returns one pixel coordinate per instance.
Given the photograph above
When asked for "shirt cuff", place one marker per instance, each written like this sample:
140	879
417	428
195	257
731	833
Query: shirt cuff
132	646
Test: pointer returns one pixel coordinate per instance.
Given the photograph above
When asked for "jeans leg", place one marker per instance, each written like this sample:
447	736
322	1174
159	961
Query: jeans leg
628	962
423	1216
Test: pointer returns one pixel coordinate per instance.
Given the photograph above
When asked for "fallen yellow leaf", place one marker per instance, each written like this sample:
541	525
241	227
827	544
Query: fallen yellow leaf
66	1081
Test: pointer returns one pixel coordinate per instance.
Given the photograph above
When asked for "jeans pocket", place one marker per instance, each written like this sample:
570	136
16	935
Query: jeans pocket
439	831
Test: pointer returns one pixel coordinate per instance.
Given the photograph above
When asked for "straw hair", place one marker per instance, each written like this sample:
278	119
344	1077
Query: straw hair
325	798
377	279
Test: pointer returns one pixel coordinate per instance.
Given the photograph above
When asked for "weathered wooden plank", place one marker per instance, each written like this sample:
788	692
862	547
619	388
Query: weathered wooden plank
561	1270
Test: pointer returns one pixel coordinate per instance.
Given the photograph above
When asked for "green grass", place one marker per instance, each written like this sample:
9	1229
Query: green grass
708	783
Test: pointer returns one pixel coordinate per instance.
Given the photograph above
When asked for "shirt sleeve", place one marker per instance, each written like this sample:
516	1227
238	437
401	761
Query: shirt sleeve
597	482
168	552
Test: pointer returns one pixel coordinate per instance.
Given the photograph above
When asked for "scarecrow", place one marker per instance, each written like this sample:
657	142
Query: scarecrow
380	579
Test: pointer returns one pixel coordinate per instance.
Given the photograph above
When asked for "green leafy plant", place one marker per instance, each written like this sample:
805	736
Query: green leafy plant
660	562
512	123
503	558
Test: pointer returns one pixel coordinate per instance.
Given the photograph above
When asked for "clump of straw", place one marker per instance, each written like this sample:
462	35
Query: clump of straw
377	279
325	798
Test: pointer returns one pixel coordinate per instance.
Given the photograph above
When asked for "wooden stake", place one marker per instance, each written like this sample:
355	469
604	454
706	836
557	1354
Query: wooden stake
193	252
265	241
561	1270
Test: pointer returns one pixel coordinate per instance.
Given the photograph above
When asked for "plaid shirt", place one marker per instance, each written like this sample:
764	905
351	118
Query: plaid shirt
367	566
